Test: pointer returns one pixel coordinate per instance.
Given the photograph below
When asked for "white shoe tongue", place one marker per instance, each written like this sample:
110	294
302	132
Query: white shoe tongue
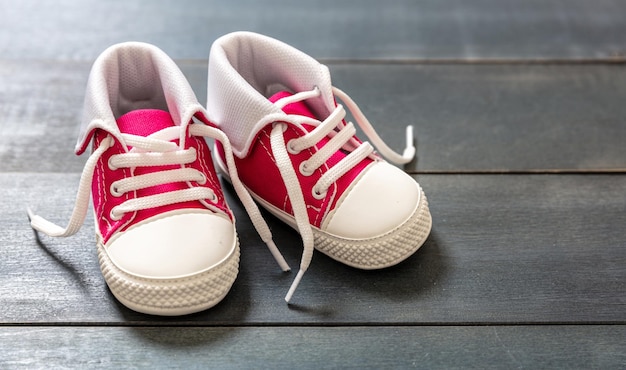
144	122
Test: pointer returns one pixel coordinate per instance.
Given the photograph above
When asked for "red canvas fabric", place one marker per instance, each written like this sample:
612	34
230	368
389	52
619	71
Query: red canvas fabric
144	123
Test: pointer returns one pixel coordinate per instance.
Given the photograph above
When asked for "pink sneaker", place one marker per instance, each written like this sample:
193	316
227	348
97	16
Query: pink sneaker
166	238
302	161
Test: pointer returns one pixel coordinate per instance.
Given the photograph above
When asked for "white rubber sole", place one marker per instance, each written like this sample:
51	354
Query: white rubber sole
170	297
384	250
374	253
378	252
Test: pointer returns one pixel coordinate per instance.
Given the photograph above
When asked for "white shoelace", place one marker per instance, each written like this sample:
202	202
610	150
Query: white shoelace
341	138
158	150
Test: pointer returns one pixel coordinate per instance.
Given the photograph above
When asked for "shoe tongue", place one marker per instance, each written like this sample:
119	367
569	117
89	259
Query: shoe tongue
144	122
300	108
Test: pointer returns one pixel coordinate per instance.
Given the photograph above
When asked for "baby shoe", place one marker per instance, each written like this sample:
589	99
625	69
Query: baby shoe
301	160
166	238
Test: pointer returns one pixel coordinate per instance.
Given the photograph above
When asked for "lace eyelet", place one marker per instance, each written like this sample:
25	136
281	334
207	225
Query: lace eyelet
114	191
203	180
317	194
214	198
304	171
113	217
108	142
283	125
290	148
112	167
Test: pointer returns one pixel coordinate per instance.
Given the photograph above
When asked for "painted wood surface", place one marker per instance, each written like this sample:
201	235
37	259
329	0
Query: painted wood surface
443	347
467	118
346	29
503	249
520	120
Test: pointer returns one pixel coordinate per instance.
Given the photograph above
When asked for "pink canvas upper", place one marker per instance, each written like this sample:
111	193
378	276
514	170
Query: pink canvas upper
259	165
144	123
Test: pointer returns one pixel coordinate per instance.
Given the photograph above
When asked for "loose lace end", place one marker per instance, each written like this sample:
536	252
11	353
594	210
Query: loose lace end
39	223
30	213
409	151
278	256
294	285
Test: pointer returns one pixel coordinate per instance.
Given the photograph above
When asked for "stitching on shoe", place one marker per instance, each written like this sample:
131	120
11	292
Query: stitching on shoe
99	187
269	153
205	168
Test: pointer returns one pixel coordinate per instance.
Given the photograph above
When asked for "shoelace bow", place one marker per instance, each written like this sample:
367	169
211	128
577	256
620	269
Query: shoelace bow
341	137
157	150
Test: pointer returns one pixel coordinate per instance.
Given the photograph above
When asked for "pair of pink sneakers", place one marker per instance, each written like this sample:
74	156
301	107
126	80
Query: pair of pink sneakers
166	238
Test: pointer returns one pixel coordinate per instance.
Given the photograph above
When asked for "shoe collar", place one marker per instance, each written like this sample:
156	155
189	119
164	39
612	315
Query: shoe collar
245	69
134	75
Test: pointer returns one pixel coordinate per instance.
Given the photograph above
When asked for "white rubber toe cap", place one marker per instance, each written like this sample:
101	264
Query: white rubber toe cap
175	245
382	199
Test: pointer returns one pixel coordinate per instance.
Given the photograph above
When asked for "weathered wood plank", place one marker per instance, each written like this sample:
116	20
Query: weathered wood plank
467	117
497	117
354	29
588	347
519	271
504	249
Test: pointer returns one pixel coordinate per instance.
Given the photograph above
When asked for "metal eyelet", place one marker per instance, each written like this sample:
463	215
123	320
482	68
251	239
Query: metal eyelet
203	180
108	142
113	217
304	171
283	125
110	163
114	191
291	149
317	194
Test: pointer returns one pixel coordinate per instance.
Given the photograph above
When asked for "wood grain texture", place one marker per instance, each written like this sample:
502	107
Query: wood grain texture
349	29
589	347
503	249
467	117
518	107
497	117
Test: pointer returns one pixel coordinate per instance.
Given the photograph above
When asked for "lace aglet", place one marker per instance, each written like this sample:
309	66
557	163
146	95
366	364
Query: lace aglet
30	213
40	224
409	151
278	256
32	217
294	285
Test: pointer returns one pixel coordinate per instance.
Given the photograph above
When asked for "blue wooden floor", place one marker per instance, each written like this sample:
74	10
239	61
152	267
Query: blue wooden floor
520	115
